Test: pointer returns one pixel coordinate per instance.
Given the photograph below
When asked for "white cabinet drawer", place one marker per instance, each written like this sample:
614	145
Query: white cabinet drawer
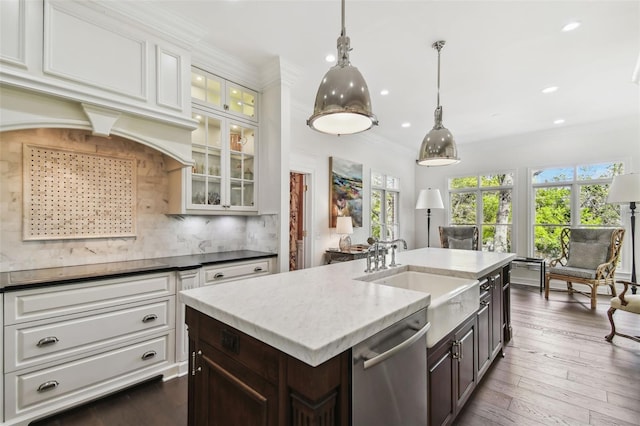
229	272
78	379
44	341
47	302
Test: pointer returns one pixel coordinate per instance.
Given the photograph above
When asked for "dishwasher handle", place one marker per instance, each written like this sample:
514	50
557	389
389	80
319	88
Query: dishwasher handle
378	358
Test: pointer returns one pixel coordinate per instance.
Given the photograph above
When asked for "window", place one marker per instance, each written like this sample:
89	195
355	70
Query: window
570	196
484	201
385	201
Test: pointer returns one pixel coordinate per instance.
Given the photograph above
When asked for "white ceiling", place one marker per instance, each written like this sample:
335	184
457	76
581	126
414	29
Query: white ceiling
498	57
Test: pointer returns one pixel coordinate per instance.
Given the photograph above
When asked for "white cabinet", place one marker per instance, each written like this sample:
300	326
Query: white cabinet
185	280
92	53
231	271
69	343
210	91
224	150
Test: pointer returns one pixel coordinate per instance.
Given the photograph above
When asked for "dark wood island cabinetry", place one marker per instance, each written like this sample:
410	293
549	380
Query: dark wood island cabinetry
251	363
459	361
237	380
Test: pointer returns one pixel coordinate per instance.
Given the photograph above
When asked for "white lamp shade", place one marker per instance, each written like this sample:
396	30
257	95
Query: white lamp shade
429	199
344	225
624	189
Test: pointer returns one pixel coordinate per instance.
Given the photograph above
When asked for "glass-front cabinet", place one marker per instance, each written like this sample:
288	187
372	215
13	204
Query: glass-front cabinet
211	91
223	173
224	148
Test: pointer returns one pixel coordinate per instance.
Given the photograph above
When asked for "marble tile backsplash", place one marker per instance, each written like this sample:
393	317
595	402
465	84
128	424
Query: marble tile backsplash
158	234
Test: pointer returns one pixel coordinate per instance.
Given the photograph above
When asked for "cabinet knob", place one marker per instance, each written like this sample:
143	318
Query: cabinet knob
149	318
50	385
148	355
45	341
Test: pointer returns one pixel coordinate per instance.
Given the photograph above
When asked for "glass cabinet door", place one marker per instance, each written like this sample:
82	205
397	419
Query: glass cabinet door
241	165
241	100
207	88
206	151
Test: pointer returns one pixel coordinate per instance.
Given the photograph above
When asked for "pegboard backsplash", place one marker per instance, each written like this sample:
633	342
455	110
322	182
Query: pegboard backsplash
72	195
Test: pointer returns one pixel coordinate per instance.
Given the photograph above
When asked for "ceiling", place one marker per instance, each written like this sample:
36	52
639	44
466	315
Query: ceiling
498	57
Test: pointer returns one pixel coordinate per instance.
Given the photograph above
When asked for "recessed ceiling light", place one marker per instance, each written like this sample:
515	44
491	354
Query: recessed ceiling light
384	92
330	58
549	89
571	26
558	121
406	125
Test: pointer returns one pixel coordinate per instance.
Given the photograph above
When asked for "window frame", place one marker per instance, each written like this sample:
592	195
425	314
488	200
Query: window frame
384	191
574	185
478	192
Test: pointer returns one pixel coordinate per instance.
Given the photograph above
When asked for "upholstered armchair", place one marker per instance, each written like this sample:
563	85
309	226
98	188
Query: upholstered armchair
589	257
624	302
459	237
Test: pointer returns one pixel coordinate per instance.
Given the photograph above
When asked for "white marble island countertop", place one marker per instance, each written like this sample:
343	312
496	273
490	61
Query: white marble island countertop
317	313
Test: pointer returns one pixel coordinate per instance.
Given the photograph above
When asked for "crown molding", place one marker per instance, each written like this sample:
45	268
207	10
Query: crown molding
280	71
219	62
154	20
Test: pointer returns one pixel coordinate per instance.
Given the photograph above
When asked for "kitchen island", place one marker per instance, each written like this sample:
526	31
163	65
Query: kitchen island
276	349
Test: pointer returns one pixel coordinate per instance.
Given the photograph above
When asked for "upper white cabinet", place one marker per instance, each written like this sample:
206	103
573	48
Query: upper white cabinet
224	150
85	52
210	91
224	155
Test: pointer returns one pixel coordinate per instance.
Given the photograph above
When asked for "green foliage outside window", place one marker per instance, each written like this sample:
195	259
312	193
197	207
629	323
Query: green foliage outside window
553	203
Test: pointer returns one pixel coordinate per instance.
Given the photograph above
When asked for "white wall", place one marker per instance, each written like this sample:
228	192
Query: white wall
612	140
310	152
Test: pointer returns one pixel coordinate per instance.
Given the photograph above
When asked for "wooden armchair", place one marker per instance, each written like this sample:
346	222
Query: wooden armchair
589	257
459	237
630	303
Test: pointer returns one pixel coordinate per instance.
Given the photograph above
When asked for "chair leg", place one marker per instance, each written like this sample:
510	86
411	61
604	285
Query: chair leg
546	286
594	296
614	292
569	286
609	336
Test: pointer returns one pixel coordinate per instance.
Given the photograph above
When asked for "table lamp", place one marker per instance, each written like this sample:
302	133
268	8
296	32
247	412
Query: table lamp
344	227
429	199
626	189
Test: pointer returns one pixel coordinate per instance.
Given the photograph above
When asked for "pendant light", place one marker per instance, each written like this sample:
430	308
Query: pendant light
343	104
438	147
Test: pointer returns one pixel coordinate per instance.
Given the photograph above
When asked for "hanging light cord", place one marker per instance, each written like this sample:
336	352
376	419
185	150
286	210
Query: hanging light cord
344	28
438	46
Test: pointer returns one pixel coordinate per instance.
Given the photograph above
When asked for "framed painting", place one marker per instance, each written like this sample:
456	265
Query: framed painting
345	191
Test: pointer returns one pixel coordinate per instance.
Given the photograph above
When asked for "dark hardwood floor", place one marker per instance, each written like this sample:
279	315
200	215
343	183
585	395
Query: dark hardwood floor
558	369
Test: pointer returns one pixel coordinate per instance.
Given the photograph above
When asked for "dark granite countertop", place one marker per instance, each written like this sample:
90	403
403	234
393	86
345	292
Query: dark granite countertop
18	280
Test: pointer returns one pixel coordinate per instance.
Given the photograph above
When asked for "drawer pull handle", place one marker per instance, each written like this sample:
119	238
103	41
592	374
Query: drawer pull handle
149	318
218	276
148	355
50	385
47	341
257	269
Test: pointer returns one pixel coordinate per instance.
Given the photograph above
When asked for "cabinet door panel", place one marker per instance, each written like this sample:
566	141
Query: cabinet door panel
466	365
231	394
440	388
496	314
484	334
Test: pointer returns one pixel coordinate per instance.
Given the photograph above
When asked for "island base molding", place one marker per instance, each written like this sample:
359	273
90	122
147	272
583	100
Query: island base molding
236	379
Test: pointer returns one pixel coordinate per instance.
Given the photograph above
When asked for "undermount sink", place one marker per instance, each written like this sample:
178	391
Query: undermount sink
453	299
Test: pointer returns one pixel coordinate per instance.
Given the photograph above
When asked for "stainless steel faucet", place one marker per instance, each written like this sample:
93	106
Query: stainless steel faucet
393	251
373	247
380	259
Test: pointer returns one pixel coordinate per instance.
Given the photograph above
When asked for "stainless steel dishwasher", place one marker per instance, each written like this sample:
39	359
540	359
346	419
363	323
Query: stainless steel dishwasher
389	375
